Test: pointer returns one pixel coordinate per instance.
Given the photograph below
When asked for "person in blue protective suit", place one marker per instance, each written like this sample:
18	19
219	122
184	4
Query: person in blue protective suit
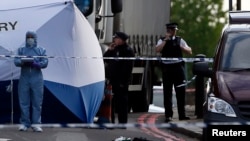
30	85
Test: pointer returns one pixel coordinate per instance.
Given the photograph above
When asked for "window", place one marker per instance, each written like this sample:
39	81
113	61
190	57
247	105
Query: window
85	6
237	51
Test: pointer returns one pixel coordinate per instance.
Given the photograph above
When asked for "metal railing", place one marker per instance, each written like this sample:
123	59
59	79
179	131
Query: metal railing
144	45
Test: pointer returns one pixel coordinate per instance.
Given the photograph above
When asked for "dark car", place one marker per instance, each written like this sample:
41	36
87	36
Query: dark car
228	87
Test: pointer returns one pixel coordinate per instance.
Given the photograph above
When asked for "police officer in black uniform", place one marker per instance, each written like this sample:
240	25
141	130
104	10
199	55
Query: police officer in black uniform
172	46
118	72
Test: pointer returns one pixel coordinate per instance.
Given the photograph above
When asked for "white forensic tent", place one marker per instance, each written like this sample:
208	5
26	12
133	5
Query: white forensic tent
74	78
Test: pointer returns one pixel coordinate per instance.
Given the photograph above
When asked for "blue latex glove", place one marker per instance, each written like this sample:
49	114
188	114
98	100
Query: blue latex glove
36	65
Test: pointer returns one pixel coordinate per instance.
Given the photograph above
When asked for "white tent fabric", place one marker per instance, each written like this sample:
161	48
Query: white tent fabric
73	76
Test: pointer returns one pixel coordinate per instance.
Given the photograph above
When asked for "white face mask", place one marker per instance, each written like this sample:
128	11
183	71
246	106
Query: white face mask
31	41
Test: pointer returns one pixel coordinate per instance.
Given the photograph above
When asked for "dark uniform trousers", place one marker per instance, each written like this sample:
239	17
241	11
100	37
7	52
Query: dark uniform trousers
120	103
173	75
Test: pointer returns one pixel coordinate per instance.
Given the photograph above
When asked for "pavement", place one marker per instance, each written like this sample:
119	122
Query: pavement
191	128
188	128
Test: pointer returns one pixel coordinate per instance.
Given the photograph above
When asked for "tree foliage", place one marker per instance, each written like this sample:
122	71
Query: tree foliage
200	23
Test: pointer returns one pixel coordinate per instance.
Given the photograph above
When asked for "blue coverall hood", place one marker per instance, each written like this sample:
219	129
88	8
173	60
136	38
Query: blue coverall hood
32	34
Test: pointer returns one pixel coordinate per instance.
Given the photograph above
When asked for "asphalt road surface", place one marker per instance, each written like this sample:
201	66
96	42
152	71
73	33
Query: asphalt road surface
78	133
138	127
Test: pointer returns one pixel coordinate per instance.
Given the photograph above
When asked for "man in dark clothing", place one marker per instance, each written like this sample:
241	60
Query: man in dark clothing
118	72
172	46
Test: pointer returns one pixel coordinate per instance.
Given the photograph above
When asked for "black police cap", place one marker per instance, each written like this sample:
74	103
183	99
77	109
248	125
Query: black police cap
121	35
172	25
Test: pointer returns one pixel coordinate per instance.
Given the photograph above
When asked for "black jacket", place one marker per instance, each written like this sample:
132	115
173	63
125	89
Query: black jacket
118	71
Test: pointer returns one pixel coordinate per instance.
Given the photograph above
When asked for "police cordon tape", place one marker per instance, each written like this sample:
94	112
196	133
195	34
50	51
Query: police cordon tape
187	82
131	125
210	60
116	58
110	125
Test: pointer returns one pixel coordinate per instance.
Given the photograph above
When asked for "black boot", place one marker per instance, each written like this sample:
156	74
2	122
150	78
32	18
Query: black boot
184	118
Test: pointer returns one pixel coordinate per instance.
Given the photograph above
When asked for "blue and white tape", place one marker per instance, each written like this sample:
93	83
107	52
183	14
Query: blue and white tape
117	58
131	125
111	125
